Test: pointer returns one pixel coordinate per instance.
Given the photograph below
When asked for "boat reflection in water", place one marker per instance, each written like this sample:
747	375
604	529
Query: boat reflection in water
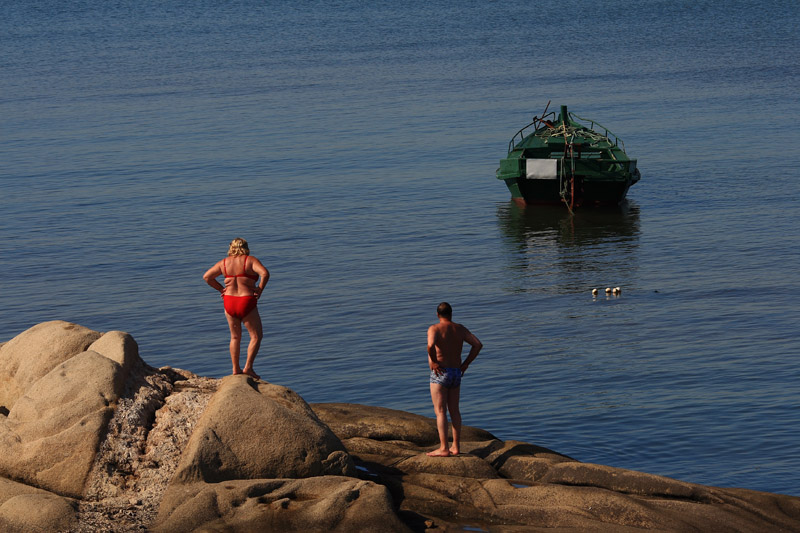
554	251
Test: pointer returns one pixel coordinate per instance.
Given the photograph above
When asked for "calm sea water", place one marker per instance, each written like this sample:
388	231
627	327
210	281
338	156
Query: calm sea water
355	146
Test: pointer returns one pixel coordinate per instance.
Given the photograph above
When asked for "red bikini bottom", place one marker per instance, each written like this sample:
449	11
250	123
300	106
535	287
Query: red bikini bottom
239	306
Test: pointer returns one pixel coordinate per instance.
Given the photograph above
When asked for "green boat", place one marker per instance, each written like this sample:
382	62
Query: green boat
567	160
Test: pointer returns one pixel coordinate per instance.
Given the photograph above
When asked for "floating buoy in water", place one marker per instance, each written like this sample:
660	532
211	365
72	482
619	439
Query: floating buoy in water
594	292
617	290
608	290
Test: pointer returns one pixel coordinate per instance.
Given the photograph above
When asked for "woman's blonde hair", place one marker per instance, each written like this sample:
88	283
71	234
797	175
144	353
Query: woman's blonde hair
238	247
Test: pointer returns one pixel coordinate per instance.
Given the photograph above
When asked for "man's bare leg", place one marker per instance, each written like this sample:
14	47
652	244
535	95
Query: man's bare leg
235	326
439	396
253	324
455	418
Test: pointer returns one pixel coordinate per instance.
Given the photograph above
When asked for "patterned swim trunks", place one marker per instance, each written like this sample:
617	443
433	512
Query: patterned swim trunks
450	378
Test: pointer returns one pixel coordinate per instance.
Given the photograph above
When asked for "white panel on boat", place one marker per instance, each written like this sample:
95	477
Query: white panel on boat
541	169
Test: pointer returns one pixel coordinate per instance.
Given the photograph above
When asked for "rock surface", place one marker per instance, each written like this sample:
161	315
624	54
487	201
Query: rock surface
94	439
25	508
35	352
530	488
255	430
55	423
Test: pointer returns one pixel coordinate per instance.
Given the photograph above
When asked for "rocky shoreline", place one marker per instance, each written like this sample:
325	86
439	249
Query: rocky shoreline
94	439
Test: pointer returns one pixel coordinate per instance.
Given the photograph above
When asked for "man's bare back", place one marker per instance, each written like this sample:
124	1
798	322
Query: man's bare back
446	341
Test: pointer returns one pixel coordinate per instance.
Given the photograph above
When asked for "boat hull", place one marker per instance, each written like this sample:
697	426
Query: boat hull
596	192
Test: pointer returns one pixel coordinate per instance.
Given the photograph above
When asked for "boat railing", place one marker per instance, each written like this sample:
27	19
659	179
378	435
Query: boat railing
607	132
536	123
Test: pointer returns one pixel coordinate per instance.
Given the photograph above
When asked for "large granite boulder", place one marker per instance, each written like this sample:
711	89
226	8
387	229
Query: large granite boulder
260	459
33	353
52	431
255	430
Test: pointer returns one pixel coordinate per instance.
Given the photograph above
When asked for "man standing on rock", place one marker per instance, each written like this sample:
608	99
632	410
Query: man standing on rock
445	342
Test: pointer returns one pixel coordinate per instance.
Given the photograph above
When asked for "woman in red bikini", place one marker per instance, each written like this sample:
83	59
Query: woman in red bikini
240	296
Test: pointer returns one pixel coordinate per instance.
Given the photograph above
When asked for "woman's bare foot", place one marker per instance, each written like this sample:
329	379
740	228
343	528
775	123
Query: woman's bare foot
252	374
237	372
454	451
438	453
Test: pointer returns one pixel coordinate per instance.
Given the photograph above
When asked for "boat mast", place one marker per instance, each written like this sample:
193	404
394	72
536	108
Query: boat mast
568	152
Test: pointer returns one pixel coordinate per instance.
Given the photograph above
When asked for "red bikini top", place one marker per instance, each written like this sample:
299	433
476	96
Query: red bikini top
245	275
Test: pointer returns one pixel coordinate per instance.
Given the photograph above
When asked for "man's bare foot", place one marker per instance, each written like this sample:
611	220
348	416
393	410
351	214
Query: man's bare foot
454	451
252	374
438	453
237	372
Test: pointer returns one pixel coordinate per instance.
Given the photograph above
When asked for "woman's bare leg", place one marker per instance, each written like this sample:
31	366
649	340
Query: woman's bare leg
235	326
253	324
